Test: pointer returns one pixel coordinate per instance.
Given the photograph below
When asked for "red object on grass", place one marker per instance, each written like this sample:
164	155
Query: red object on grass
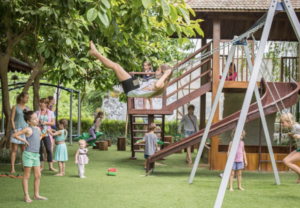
112	169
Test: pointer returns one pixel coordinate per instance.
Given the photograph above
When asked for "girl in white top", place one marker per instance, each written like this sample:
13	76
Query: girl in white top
190	127
150	89
287	120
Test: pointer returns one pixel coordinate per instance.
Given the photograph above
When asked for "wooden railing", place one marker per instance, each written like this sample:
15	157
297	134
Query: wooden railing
239	60
289	69
183	69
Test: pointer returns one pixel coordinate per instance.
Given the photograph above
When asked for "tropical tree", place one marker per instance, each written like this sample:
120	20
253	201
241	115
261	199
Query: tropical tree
53	38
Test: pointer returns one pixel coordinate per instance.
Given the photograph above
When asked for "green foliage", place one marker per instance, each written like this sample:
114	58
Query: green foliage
114	128
5	155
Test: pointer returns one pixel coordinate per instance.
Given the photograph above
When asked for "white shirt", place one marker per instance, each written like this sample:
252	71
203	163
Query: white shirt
188	124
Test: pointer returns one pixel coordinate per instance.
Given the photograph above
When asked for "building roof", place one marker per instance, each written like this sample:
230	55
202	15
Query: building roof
235	5
16	65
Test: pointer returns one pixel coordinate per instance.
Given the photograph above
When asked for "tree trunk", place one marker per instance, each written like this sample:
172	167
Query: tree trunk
36	89
4	60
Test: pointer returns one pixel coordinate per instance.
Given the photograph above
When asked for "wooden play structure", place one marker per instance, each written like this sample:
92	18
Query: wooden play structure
220	26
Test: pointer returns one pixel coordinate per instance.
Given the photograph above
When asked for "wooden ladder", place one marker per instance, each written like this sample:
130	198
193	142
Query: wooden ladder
136	133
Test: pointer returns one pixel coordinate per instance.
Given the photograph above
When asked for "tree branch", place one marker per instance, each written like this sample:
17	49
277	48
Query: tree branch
28	60
46	70
23	34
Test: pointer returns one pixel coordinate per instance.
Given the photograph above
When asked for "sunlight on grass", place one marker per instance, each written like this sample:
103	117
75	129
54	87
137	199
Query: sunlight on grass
166	187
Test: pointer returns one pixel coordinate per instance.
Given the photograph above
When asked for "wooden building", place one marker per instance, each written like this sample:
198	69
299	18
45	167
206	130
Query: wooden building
223	19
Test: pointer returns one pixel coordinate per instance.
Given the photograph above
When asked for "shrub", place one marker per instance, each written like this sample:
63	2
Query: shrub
5	155
112	129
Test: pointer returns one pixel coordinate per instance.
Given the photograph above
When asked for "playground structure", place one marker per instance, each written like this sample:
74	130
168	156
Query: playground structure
277	96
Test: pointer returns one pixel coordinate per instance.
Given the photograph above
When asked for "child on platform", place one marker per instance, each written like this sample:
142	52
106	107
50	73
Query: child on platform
287	120
81	157
190	127
238	164
147	68
31	156
61	152
96	125
150	140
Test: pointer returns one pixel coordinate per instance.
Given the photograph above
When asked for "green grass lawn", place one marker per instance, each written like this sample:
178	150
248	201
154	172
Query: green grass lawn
166	187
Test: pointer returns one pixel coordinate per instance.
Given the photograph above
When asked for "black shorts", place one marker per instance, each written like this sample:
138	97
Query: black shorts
130	84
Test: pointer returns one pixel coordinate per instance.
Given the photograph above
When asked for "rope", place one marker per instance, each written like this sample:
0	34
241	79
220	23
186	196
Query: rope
272	80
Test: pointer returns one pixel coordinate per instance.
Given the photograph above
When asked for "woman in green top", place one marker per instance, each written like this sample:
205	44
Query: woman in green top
18	123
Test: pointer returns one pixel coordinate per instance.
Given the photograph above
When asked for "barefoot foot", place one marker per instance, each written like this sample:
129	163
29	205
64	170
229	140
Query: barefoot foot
52	169
241	189
13	171
93	49
39	198
298	181
28	200
59	174
231	189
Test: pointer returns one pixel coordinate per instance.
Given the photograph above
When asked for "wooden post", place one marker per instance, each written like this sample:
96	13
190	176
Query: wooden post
216	81
121	144
103	146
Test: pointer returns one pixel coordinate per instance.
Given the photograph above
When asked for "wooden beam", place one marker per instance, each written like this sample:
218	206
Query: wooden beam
216	81
237	85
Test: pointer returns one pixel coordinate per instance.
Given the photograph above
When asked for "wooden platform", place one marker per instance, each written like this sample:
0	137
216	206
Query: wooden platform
237	85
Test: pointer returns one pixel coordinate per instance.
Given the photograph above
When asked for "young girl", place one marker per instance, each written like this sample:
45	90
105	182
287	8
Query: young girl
96	125
18	123
287	120
31	157
147	68
190	127
231	76
238	164
52	108
61	152
149	89
81	157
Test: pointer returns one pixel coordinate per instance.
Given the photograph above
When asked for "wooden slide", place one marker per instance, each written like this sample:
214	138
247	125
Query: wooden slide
288	95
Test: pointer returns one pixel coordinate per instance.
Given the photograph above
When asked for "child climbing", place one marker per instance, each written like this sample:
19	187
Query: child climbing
81	157
96	125
287	120
149	89
239	160
61	152
31	156
190	127
150	140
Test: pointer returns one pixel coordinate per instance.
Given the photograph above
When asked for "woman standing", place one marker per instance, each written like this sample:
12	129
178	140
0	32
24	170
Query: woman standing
46	120
52	108
18	123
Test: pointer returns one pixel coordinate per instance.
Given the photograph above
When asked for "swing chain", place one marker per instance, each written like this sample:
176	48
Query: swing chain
272	80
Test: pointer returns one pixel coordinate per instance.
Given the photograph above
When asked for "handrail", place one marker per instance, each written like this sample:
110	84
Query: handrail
201	75
192	55
133	73
190	71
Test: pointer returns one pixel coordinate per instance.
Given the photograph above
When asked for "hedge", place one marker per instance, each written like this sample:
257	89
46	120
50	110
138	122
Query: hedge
112	129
